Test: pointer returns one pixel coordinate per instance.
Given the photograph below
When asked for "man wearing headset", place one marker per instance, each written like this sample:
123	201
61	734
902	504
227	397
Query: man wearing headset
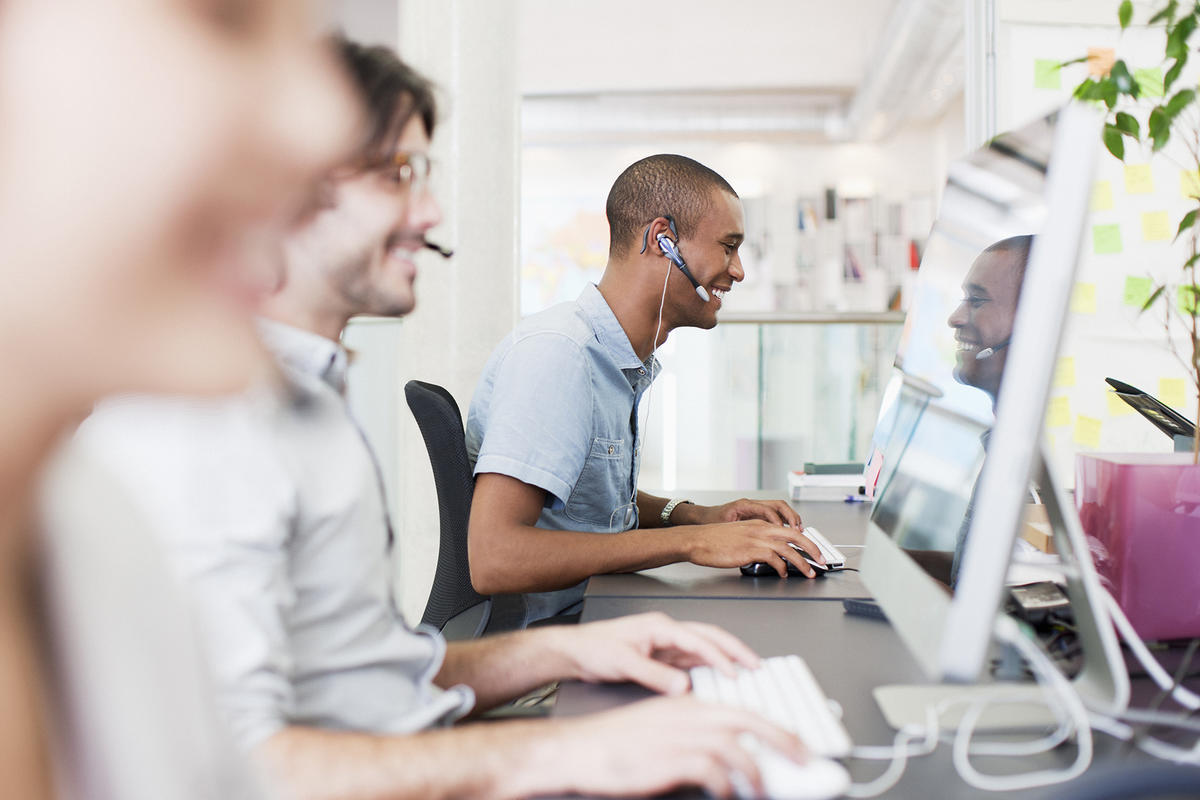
272	509
553	426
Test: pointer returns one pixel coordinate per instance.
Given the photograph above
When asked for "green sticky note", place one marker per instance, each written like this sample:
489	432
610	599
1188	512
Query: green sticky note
1150	81
1046	74
1106	239
1187	300
1137	290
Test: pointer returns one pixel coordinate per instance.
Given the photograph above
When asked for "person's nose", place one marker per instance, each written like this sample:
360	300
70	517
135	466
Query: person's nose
735	268
958	318
423	212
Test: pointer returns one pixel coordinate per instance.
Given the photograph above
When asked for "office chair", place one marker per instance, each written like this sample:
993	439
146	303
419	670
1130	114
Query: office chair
454	607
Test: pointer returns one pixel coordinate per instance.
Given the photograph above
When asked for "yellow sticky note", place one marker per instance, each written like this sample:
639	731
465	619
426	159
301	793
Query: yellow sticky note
1102	197
1083	298
1064	372
1139	179
1046	74
1116	406
1172	392
1150	81
1137	290
1100	60
1058	414
1155	226
1106	239
1189	182
1087	431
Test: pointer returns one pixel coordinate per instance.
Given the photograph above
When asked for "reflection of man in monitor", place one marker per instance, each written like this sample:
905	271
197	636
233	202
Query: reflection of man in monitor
983	321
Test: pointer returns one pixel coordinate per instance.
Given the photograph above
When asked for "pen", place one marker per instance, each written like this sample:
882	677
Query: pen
855	498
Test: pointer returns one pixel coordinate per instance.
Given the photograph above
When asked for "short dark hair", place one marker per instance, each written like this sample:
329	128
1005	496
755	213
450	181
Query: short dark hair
1019	246
392	92
654	187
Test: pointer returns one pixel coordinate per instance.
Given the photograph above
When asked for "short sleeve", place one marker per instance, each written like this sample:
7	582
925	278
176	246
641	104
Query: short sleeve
537	424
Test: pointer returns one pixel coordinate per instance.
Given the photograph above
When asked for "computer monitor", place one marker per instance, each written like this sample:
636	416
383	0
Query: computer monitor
961	442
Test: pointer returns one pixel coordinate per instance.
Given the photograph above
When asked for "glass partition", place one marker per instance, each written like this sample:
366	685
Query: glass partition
739	406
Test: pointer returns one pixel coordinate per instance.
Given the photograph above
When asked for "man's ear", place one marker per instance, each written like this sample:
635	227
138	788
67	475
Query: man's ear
650	235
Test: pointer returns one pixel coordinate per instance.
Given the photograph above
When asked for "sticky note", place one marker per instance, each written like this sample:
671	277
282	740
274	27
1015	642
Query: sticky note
1058	414
1155	226
1137	290
1189	182
1064	372
1102	196
1116	406
1087	431
1046	74
1083	298
1138	179
1100	60
1187	300
1106	239
1150	81
1172	392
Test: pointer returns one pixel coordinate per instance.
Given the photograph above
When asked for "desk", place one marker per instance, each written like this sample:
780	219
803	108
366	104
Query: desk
848	655
842	523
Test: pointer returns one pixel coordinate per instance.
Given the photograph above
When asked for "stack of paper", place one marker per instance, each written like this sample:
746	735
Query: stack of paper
806	486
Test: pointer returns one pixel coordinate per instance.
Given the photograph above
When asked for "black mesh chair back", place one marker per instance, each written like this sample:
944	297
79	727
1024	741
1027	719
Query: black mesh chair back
454	607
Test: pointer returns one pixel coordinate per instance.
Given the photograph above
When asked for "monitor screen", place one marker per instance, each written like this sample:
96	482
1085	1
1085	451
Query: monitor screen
974	368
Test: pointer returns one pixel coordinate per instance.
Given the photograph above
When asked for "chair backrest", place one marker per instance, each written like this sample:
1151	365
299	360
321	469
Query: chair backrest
452	594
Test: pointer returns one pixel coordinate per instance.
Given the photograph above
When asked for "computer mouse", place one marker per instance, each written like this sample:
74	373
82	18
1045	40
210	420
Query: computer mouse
761	569
817	779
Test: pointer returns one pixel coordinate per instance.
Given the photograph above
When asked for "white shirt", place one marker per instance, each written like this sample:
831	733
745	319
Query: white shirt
273	512
132	700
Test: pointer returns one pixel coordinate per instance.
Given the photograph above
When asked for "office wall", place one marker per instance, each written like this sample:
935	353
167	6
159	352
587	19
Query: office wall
1136	208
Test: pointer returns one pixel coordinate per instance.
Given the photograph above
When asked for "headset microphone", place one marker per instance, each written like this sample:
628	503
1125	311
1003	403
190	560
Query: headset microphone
671	251
988	352
444	252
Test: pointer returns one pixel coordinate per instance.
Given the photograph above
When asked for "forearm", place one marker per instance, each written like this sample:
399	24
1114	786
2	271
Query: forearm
524	558
499	668
650	509
495	761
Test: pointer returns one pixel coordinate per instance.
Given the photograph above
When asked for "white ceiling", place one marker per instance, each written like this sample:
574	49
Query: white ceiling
574	46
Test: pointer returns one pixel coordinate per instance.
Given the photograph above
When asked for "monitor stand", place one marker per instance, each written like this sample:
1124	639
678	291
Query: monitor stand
1102	683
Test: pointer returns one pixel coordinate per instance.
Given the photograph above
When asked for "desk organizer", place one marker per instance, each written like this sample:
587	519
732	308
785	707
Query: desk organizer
1141	514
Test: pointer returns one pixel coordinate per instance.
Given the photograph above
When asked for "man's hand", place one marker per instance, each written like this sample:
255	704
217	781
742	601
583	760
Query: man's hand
654	746
651	649
776	511
733	544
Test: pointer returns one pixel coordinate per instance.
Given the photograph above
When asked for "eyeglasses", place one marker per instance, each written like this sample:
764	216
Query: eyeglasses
408	171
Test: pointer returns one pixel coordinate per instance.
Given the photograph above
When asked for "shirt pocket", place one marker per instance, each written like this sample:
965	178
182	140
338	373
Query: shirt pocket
602	487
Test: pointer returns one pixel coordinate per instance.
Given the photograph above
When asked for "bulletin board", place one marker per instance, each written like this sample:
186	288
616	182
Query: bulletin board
1127	245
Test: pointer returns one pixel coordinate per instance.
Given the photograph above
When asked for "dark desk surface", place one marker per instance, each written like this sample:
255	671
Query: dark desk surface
849	655
841	523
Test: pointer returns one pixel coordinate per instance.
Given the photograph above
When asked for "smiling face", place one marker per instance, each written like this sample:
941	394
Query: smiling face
984	318
366	240
151	151
711	253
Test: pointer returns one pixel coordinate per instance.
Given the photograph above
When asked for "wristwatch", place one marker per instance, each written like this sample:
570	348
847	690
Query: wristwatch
665	516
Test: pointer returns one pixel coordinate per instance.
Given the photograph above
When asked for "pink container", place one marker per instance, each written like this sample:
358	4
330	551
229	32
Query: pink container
1141	514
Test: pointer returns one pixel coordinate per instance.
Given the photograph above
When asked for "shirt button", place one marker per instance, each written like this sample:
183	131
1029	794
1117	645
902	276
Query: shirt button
611	449
641	371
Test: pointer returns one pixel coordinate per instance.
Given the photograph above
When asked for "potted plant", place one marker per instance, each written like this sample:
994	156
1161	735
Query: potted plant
1134	504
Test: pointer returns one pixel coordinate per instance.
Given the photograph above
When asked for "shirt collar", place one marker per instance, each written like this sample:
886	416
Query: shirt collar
306	352
611	335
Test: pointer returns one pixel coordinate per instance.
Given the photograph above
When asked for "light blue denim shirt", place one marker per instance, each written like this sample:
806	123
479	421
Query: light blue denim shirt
556	408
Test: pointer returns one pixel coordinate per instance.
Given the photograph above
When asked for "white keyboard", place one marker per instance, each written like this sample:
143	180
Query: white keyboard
833	557
784	691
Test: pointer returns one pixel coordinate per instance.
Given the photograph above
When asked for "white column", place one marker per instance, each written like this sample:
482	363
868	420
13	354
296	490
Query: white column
979	82
467	304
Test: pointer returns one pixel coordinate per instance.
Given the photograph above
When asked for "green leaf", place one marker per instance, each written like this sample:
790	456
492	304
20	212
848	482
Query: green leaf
1182	99
1173	73
1160	127
1157	293
1128	125
1177	37
1114	142
1119	75
1191	262
1167	12
1188	298
1125	13
1107	89
1189	219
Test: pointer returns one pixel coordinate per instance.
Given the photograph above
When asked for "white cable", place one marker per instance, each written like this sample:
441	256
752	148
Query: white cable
1062	700
1183	696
